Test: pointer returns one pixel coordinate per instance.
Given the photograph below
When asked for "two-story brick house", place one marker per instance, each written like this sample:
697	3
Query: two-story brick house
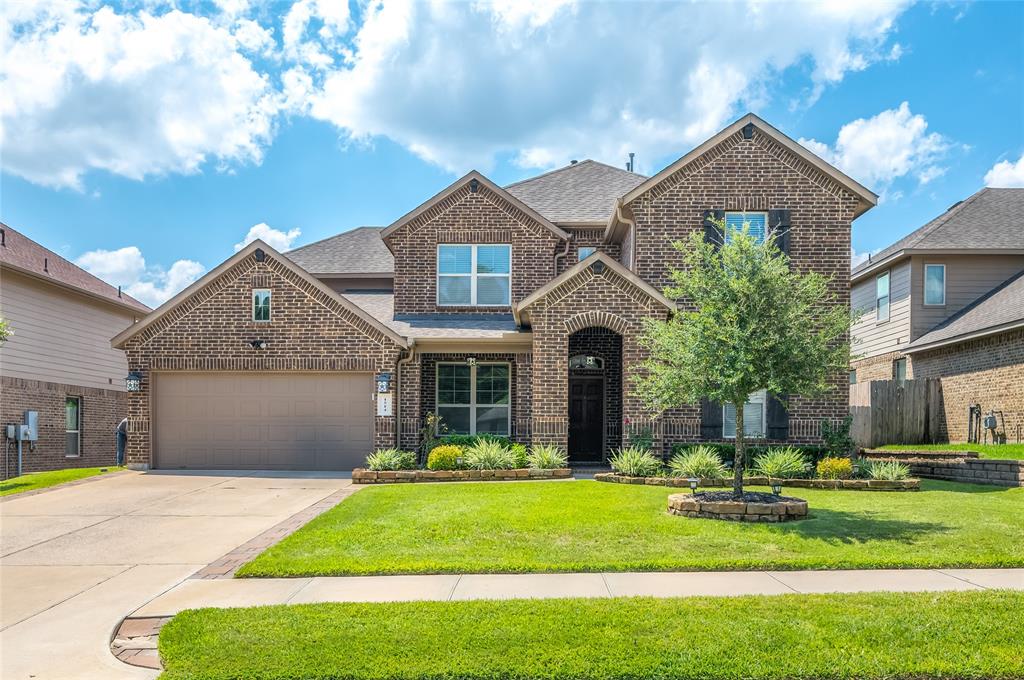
944	302
514	311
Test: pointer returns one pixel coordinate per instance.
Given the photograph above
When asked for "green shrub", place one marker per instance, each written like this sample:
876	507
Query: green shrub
834	468
635	462
489	455
838	441
445	457
698	461
642	439
891	470
727	452
547	457
519	456
468	440
391	459
781	463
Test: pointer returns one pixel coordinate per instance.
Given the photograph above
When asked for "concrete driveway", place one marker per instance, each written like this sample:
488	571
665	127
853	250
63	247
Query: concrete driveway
75	560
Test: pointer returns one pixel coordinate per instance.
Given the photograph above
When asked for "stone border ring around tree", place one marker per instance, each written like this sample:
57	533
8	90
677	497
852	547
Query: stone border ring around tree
753	507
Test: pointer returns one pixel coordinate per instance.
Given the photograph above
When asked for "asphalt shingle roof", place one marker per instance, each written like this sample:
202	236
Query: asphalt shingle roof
1000	306
381	306
21	252
990	219
582	192
357	251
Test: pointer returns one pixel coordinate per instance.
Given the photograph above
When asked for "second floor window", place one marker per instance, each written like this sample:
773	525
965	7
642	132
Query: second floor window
935	284
756	224
261	305
585	252
882	297
474	275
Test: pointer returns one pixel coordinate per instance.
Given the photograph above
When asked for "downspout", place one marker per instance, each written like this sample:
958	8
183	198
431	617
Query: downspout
564	253
619	215
398	391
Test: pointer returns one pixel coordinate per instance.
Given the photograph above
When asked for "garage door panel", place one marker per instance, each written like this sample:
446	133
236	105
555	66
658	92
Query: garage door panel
266	421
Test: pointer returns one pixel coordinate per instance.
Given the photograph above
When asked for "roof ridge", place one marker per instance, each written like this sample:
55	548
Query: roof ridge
936	222
973	305
572	166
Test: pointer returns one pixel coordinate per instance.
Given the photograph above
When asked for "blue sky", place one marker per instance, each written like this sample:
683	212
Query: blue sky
146	142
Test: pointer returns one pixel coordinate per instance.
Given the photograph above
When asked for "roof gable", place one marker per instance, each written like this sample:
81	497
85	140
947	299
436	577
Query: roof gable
989	220
358	317
810	164
22	254
580	193
475	183
586	265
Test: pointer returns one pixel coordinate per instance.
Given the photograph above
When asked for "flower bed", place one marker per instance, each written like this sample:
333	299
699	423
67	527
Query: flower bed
850	484
753	507
363	476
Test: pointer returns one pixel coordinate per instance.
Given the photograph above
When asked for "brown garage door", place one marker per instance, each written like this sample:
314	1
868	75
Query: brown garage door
270	421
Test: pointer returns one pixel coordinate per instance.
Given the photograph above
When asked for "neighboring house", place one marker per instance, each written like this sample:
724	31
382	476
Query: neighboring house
59	361
515	311
944	302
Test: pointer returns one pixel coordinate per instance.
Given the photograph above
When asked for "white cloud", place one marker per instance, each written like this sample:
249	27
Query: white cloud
275	238
892	144
1006	174
545	82
132	94
126	267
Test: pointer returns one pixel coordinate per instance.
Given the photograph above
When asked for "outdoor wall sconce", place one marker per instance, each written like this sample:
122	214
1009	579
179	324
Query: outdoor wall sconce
258	344
693	484
133	383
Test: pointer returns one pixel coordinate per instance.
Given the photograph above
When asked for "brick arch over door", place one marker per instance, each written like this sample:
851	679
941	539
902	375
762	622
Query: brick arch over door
594	318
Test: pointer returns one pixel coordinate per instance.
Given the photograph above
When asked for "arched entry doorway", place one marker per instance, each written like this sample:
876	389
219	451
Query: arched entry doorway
595	394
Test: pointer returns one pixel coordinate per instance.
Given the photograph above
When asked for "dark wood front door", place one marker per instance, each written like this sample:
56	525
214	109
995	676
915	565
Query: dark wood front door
586	418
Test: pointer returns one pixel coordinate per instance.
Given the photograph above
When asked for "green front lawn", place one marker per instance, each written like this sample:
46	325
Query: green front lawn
876	635
993	451
41	480
595	526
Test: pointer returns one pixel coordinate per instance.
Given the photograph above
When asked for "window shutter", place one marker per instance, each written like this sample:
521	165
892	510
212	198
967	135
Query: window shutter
710	419
778	223
778	417
712	232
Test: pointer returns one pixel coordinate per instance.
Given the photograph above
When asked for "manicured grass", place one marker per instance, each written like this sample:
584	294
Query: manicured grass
876	635
993	451
41	480
594	526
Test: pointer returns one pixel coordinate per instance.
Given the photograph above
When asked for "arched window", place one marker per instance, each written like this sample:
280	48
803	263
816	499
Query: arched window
584	361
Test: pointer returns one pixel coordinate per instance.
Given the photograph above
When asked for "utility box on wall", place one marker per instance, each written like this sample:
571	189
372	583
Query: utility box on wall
30	430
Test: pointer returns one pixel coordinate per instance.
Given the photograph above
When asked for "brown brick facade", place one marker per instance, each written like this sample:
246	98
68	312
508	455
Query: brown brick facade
752	174
468	217
593	238
101	411
880	367
212	330
988	371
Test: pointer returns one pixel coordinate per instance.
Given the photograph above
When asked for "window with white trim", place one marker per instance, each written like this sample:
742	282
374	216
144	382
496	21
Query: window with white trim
753	417
755	223
474	275
72	427
475	399
882	297
935	284
584	252
261	305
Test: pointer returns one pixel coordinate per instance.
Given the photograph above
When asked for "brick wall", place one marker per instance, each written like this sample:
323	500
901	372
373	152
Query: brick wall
101	411
310	331
467	217
753	174
880	367
988	371
593	238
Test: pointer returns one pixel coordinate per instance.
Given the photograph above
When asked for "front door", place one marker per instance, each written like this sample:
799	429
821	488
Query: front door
586	418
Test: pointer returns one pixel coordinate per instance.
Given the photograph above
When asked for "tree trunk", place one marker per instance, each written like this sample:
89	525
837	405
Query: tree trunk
741	453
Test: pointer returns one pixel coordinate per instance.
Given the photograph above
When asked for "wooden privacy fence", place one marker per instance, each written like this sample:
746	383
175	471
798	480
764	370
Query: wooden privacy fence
896	412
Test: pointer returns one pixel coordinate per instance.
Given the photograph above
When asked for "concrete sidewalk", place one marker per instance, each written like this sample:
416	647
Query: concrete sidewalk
195	593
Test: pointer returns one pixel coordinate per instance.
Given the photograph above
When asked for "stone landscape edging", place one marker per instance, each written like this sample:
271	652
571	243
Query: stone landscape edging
994	471
781	510
364	476
843	484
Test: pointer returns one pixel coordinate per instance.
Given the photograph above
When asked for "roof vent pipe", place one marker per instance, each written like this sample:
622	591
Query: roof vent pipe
46	265
119	291
3	238
573	162
629	165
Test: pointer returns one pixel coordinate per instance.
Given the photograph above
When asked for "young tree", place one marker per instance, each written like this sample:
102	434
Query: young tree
747	322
